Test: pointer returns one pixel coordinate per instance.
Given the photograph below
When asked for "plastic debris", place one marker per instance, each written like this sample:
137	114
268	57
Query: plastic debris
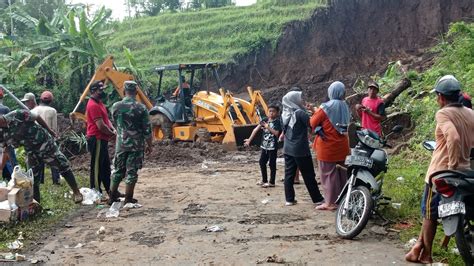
101	231
20	236
15	245
3	184
79	245
455	251
411	243
10	256
20	257
132	206
396	205
214	228
113	211
265	201
204	166
91	196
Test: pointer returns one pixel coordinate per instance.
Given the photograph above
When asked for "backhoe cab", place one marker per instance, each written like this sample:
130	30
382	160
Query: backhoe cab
190	116
205	115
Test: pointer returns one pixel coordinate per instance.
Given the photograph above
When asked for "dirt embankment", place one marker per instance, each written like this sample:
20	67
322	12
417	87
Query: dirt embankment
347	40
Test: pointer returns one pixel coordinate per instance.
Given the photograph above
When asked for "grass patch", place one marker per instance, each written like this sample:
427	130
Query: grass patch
55	207
219	34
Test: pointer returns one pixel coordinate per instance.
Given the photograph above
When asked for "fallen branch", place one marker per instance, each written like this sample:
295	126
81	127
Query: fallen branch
389	98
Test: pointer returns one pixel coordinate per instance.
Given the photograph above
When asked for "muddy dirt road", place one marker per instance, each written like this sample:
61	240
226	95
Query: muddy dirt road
180	202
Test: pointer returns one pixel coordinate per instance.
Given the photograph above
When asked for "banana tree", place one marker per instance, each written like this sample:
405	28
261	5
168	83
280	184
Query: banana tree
65	49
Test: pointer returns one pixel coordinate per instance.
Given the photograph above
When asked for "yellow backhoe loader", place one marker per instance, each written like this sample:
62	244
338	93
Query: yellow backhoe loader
190	115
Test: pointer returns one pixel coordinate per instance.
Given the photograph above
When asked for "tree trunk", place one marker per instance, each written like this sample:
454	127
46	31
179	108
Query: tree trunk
401	87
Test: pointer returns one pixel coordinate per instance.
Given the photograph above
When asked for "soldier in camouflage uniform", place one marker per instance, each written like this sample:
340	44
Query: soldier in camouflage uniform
133	129
19	128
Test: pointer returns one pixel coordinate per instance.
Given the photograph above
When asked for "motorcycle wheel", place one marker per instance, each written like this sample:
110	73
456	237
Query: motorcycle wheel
350	224
465	240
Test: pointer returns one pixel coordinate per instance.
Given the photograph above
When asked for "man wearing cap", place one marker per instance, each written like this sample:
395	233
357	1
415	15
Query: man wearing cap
454	139
372	109
27	129
99	132
133	126
29	100
49	115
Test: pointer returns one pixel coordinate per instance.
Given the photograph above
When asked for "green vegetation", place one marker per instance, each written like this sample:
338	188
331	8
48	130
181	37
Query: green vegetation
455	56
220	34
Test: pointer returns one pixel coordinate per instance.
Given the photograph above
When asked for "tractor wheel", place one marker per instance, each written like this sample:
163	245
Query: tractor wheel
164	123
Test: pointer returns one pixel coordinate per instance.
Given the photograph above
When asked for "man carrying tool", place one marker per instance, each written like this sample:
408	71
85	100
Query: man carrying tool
9	151
99	132
133	125
19	128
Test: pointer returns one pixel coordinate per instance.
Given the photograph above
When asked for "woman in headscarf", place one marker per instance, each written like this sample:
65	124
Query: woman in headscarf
331	143
296	148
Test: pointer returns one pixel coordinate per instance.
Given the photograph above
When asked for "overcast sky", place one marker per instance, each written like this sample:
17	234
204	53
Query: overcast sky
119	9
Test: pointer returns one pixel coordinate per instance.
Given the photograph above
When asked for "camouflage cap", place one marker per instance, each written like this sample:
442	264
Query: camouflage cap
130	85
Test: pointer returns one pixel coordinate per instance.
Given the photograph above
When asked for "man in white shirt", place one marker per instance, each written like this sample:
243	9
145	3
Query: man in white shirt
49	115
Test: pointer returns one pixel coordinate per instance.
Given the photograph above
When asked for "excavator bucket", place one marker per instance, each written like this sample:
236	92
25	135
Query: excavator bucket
242	132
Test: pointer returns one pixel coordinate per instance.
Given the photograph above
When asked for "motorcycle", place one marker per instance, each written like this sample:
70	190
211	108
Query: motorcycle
362	193
456	207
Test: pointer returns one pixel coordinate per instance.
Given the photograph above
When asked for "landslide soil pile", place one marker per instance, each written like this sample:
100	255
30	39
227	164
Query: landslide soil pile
347	40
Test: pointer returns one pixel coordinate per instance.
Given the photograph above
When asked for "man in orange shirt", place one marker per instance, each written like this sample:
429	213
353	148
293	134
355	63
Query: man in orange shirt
454	139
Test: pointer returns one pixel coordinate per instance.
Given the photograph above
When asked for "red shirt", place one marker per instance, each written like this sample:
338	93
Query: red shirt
369	121
94	111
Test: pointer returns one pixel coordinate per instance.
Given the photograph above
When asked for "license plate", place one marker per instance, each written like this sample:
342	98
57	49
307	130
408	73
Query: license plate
358	160
451	208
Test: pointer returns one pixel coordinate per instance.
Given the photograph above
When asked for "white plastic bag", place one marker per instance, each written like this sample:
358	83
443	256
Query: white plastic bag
91	196
113	211
20	179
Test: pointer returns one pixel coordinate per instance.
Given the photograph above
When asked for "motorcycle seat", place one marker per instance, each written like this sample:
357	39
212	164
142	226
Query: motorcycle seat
468	175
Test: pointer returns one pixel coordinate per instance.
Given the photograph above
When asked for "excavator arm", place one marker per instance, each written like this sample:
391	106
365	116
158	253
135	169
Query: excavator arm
107	73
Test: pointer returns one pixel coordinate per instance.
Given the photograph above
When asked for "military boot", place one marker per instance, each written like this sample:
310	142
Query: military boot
114	194
129	194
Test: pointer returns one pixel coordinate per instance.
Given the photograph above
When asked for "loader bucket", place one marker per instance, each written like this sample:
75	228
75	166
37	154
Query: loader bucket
242	132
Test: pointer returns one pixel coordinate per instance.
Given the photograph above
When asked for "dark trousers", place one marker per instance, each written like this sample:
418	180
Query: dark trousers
305	165
100	164
54	174
270	157
11	163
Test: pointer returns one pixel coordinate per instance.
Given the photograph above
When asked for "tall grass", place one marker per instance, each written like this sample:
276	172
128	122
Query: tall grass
220	34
